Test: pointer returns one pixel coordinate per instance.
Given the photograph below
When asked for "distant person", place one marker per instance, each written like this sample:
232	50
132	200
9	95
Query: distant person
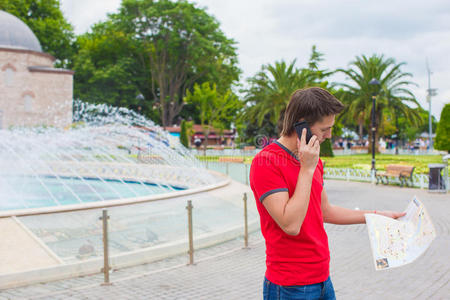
197	142
349	144
287	180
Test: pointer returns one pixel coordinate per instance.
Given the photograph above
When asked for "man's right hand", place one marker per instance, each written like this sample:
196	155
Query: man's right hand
308	154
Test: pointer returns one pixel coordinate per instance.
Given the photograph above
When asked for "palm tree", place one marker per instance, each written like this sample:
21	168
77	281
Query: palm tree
393	93
271	88
397	106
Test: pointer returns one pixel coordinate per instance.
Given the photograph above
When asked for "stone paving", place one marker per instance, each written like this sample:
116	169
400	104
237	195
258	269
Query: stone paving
227	271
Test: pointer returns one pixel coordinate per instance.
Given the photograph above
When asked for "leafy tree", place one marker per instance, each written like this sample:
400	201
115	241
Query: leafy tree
269	92
47	22
107	70
401	129
216	110
326	149
271	88
315	58
189	129
443	130
250	132
393	93
183	135
182	45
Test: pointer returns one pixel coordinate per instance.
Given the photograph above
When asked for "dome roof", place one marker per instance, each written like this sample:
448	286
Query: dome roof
16	34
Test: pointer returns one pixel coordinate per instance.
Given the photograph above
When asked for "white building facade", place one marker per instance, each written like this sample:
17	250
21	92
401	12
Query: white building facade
32	91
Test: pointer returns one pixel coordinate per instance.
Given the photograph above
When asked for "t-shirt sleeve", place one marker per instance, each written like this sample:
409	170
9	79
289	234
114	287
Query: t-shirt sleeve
320	166
266	177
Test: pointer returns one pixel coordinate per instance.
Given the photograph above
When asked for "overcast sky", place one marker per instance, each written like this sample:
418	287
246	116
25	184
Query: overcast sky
270	30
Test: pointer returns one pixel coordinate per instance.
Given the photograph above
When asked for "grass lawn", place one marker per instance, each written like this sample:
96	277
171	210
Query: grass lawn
364	161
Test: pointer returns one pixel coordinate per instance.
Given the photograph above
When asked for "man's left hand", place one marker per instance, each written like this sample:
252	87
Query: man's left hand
391	214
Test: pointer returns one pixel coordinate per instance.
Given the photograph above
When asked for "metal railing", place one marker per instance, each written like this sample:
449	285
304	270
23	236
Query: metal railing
337	152
240	172
418	180
225	152
190	224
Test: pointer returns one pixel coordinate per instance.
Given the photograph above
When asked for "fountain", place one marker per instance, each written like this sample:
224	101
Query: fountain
54	183
109	154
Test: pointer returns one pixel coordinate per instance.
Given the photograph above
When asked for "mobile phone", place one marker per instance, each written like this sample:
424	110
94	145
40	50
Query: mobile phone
299	128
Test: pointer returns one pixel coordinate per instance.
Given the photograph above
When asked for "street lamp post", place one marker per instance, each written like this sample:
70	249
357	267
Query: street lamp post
430	92
374	83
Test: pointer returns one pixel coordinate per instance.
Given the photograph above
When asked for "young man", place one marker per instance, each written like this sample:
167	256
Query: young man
287	180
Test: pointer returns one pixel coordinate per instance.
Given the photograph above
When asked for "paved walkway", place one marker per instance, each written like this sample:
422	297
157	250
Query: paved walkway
227	271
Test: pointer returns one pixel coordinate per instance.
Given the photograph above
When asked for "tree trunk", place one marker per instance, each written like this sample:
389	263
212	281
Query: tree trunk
360	125
396	133
206	131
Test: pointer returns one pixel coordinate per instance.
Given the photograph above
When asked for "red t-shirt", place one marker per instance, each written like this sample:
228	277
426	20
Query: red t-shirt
290	260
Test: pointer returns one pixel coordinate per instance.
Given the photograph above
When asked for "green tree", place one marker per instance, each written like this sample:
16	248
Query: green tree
216	110
270	89
46	20
393	93
316	57
407	131
326	149
189	129
443	130
269	92
183	134
107	70
183	45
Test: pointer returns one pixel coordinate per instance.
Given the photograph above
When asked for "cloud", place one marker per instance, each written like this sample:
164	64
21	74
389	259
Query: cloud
84	13
374	19
267	31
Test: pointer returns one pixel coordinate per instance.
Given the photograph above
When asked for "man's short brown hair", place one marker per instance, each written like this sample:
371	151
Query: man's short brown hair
311	105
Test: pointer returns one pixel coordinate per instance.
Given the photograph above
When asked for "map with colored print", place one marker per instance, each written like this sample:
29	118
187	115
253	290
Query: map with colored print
398	242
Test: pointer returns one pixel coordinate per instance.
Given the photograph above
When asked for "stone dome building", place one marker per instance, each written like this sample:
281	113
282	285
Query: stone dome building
32	91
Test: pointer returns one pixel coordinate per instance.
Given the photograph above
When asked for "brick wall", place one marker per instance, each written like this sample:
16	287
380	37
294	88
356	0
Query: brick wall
48	92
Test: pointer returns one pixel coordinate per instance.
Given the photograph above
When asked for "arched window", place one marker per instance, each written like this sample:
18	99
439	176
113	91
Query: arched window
28	102
9	76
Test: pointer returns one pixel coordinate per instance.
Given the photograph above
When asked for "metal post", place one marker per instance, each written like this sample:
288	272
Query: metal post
106	266
373	132
430	92
191	236
245	222
227	168
246	173
430	129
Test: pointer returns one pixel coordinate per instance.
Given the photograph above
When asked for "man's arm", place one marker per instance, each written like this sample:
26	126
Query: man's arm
289	213
341	215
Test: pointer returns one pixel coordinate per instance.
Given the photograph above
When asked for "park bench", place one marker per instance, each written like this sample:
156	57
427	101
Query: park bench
403	172
232	159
